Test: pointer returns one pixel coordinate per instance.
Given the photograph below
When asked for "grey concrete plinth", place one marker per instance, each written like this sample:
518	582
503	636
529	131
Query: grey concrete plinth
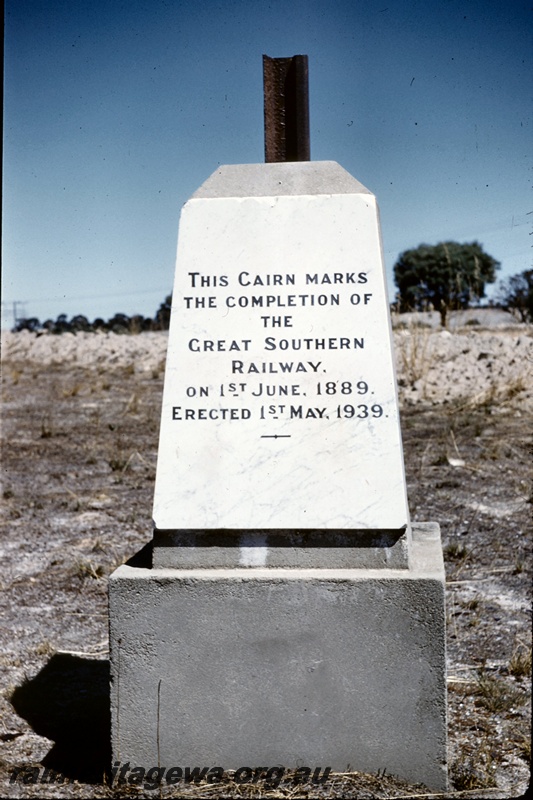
295	667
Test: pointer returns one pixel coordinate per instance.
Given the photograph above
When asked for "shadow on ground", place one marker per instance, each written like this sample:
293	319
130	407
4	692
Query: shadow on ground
68	702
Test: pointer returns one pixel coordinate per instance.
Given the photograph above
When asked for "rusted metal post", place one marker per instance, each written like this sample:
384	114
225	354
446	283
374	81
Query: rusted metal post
286	97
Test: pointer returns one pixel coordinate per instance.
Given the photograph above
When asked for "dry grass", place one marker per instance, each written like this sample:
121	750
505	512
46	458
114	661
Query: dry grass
495	694
474	772
520	662
86	569
455	550
414	356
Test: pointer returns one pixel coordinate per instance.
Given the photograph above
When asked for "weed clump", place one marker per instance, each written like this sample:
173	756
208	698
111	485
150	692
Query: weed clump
86	569
520	663
469	773
496	695
455	551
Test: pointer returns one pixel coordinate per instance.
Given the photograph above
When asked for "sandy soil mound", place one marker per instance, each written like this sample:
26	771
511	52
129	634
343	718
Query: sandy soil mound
475	368
434	367
145	352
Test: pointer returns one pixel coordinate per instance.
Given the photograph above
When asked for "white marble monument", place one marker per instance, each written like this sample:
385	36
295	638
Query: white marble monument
279	408
290	614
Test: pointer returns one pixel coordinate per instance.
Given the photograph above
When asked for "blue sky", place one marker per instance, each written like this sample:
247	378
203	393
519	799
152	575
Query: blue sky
116	111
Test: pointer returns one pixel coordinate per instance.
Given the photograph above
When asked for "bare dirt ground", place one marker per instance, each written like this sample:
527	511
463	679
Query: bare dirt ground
78	466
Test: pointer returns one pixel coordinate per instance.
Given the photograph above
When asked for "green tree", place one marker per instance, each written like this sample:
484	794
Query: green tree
445	276
516	294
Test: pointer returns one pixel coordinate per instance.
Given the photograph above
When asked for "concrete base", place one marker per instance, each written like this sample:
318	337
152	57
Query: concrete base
296	667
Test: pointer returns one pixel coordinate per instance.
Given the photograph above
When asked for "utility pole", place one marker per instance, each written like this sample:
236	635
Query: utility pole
16	314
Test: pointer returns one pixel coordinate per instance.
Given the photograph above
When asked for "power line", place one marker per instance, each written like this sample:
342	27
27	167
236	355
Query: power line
69	297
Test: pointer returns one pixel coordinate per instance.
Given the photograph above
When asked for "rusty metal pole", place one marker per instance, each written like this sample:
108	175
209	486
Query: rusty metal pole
286	98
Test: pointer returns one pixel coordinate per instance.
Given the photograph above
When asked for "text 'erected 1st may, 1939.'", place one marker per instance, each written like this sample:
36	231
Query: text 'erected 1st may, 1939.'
277	347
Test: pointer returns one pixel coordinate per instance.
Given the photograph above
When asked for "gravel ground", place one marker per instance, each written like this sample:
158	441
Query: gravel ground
79	425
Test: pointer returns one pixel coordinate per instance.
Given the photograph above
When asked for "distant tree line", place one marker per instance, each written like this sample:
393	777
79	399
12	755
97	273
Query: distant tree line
119	323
